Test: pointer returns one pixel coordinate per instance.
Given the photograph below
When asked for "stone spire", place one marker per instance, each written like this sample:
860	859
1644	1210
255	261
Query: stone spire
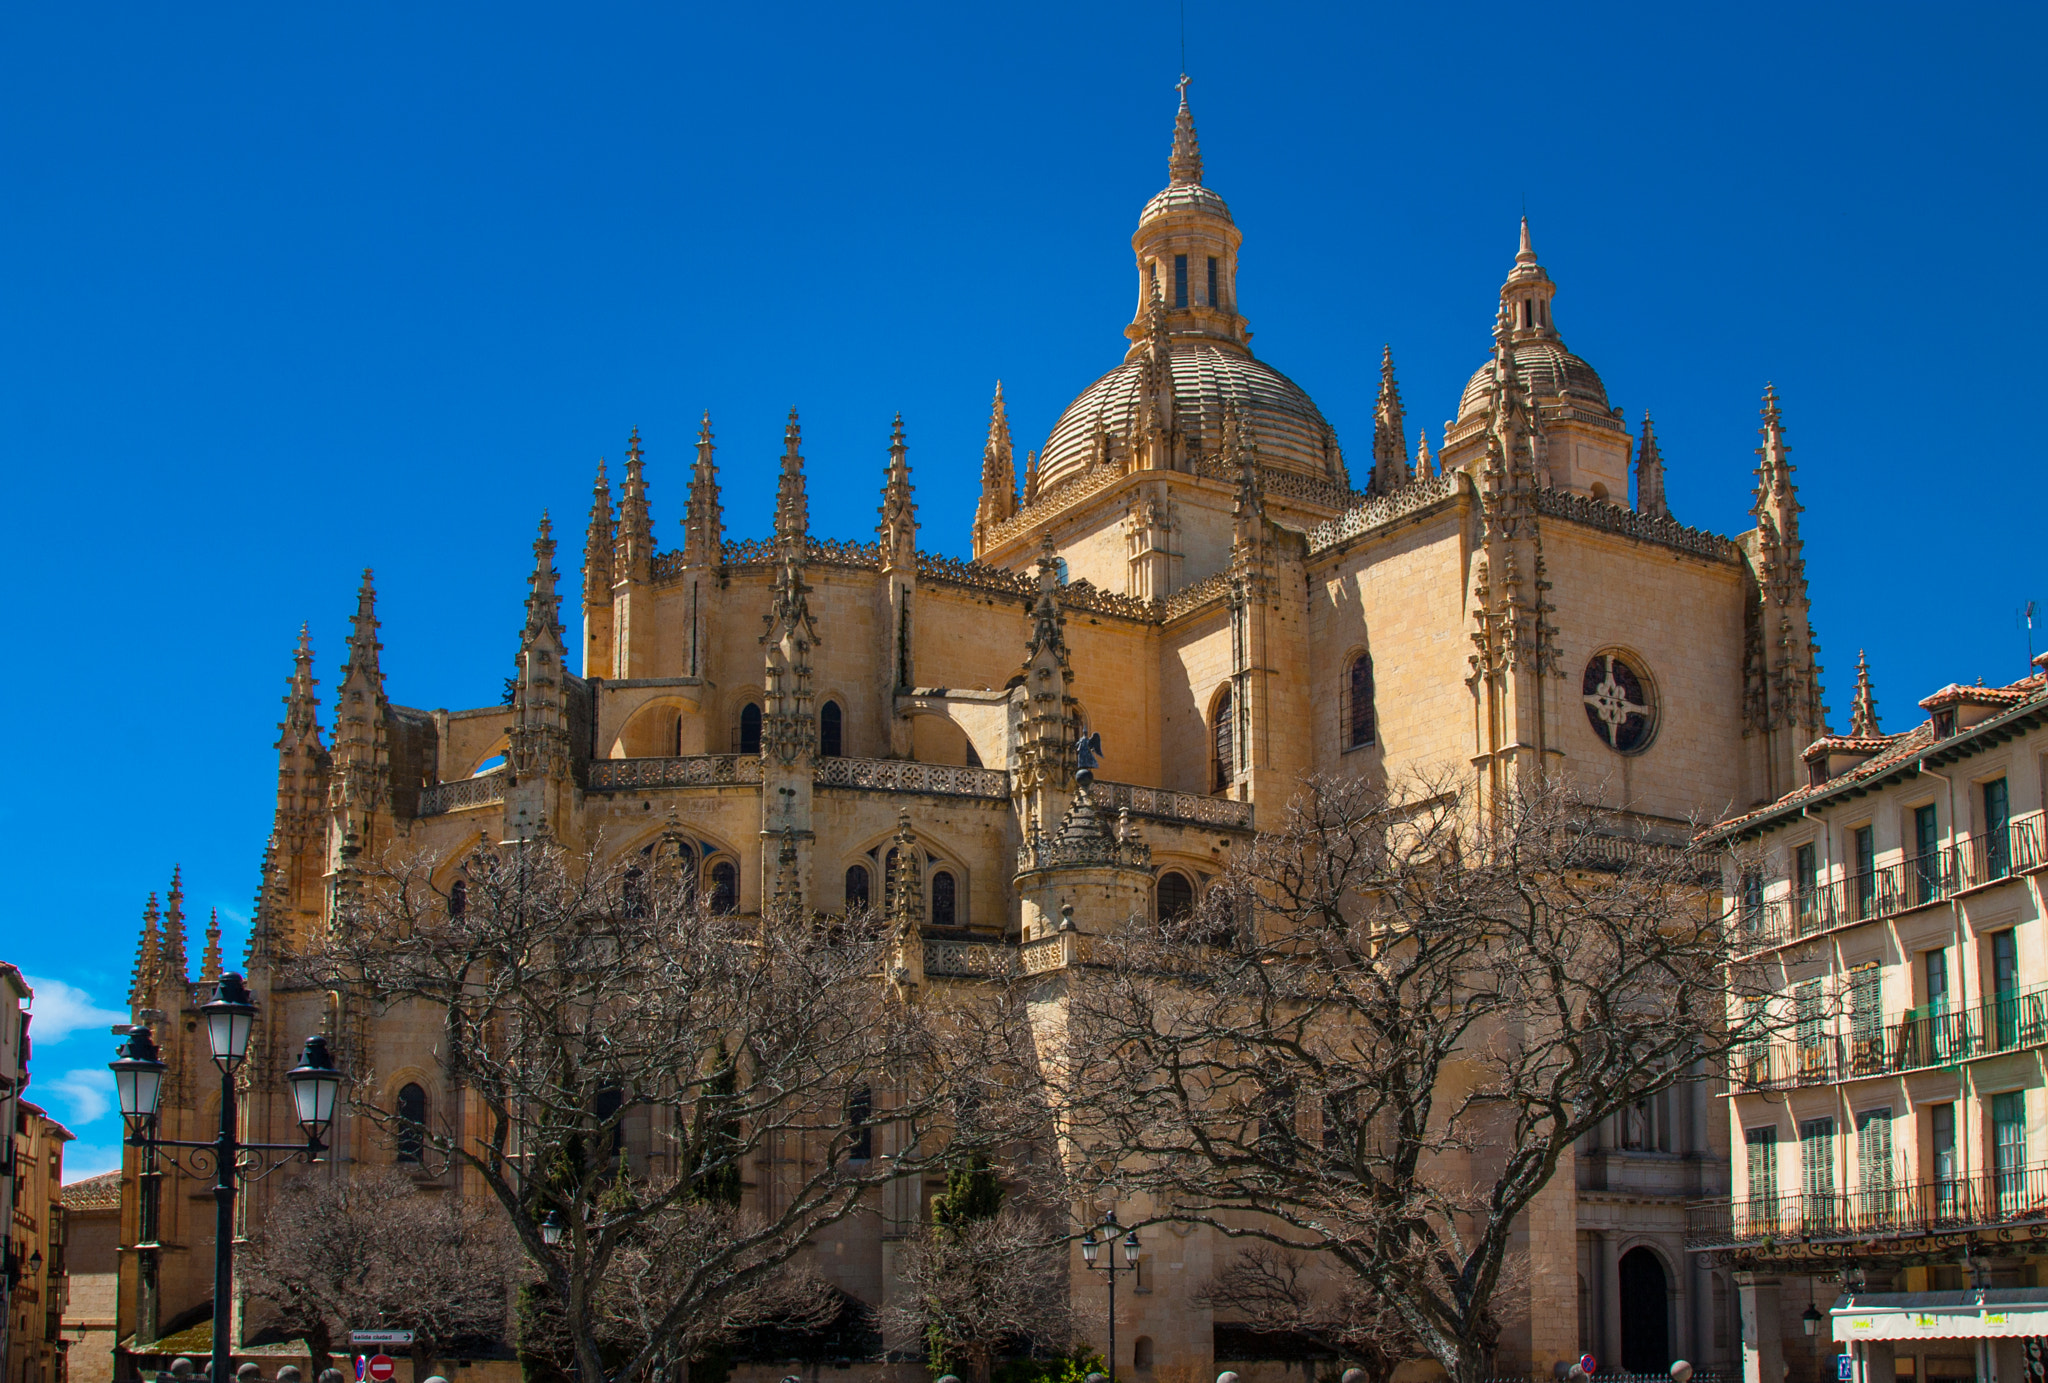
209	960
1389	433
1777	509
1248	508
792	504
1185	165
1781	675
1863	714
635	550
896	534
1650	475
905	901
538	742
1156	444
360	780
998	475
1031	477
148	957
704	522
1045	749
301	757
600	542
174	968
1424	468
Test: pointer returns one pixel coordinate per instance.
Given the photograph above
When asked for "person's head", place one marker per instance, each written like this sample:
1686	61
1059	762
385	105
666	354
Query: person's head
181	1368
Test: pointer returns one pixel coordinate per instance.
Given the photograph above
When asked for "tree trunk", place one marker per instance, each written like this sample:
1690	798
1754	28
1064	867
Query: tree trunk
319	1350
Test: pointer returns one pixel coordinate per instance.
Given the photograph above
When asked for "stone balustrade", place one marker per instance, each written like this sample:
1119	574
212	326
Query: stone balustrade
486	789
689	771
1182	807
903	775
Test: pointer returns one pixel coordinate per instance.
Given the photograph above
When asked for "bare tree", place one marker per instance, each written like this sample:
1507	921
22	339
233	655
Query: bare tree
771	1070
988	1272
1379	1034
372	1251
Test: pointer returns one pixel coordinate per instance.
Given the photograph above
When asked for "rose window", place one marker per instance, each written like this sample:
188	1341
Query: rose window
1619	706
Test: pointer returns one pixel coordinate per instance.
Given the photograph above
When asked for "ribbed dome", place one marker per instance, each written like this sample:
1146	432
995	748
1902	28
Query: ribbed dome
1291	431
1184	196
1544	369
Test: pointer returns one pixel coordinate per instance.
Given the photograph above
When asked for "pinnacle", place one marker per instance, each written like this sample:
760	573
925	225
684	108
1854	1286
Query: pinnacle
704	430
1526	252
1185	166
1863	712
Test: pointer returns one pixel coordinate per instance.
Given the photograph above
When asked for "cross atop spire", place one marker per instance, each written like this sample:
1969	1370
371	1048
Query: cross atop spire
1185	166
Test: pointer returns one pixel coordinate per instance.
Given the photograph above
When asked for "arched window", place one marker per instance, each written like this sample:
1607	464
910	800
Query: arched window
1359	726
412	1121
1141	1352
860	1107
856	887
633	892
458	898
725	887
945	907
748	740
607	1108
1226	746
675	737
831	740
1176	897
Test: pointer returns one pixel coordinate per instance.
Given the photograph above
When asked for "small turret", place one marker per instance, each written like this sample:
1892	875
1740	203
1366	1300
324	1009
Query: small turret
998	475
634	559
1650	475
538	743
175	971
209	960
1031	477
1389	433
1863	712
704	522
896	534
792	503
1782	696
1425	469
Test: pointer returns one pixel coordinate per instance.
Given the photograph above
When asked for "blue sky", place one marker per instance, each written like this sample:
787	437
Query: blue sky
293	292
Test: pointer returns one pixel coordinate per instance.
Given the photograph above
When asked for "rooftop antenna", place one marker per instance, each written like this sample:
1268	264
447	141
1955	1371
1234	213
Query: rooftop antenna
2026	617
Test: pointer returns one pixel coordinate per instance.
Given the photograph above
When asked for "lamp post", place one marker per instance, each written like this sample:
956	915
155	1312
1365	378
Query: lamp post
1091	1249
139	1080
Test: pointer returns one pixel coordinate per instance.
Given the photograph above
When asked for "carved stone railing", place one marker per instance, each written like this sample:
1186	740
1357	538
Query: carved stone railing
480	791
1183	807
1057	500
690	771
1324	494
903	775
1385	509
1087	597
969	958
1666	532
1189	598
978	576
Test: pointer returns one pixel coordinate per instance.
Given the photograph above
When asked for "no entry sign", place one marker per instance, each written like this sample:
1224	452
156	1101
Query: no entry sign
381	1368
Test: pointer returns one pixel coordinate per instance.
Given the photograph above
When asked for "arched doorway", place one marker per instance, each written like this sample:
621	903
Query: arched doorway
1645	1313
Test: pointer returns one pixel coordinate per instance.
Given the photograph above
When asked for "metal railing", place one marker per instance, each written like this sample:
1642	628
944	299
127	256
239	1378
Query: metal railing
480	791
904	775
1912	1041
1914	882
688	771
1989	1199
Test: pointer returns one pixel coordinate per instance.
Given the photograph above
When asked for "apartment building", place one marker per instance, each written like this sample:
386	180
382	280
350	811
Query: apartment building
1888	1115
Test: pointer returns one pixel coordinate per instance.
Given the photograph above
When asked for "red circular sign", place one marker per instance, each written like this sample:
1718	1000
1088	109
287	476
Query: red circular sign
381	1368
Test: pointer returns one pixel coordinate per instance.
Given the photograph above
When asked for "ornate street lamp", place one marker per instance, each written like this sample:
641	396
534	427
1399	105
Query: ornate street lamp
551	1229
139	1081
1091	1250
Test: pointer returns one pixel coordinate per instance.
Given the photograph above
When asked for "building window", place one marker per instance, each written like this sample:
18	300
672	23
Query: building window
856	887
1176	897
1180	280
725	887
608	1108
1224	743
1752	898
2009	1148
1817	1168
860	1108
675	736
1927	870
1806	874
1141	1353
2005	992
1619	703
1997	829
830	739
1762	1147
945	902
1863	884
1866	1020
1212	281
1874	1162
458	898
412	1121
748	740
1359	729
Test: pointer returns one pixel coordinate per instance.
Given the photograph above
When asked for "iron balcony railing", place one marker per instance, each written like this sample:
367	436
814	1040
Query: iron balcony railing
1912	1041
2002	1196
1938	874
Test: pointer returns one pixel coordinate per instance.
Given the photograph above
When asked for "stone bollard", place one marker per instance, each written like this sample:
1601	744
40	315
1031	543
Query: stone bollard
1681	1372
289	1374
249	1373
1226	1377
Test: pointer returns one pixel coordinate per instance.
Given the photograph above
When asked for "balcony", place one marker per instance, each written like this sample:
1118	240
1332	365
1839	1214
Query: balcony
1990	1200
687	771
1913	1041
1914	882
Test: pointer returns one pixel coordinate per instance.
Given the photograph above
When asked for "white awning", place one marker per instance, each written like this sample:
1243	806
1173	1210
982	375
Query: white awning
1990	1314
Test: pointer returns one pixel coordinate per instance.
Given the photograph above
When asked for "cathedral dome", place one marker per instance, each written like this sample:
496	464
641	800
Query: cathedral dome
1291	431
1182	197
1544	369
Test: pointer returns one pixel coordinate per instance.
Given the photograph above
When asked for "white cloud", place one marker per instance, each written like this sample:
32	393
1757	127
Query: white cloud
62	1009
76	1097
